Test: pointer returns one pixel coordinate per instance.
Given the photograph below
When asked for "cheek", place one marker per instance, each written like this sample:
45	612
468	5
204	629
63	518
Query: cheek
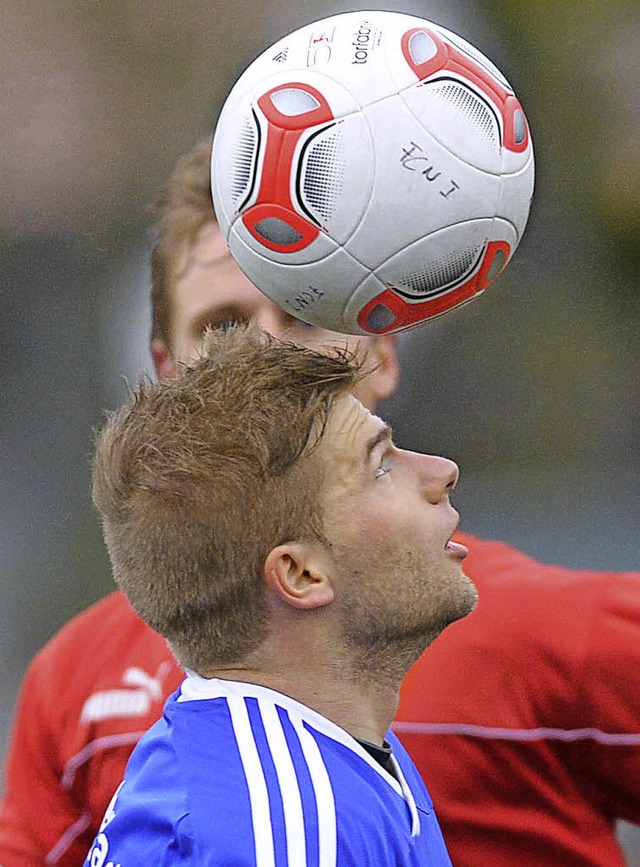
394	529
368	527
377	524
181	344
187	344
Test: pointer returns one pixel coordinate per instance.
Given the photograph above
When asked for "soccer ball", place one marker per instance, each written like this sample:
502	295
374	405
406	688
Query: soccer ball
372	171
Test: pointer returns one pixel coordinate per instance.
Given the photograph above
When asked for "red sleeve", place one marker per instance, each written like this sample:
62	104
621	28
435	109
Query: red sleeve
610	698
87	698
524	717
36	811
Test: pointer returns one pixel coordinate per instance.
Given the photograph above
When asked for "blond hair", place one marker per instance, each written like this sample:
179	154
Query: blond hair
183	207
198	478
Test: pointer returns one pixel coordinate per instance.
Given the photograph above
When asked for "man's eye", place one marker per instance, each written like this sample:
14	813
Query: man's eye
383	469
226	324
305	326
222	324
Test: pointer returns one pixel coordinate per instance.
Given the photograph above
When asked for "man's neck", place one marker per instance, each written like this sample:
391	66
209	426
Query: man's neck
364	712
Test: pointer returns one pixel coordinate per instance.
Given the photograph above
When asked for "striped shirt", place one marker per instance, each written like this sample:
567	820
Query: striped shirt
237	774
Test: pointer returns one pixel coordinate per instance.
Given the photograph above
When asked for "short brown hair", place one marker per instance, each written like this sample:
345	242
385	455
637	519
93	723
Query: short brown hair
183	207
198	478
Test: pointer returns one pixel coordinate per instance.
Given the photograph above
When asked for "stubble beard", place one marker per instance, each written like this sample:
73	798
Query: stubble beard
385	632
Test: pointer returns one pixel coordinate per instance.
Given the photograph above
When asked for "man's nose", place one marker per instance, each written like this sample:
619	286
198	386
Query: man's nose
438	477
272	319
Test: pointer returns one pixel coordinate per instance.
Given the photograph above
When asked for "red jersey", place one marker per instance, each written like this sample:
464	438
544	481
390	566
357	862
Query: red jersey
524	720
88	697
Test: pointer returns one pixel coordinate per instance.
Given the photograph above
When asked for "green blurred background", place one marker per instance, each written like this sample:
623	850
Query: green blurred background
533	390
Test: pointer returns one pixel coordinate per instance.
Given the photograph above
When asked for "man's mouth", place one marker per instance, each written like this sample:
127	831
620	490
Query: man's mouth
456	549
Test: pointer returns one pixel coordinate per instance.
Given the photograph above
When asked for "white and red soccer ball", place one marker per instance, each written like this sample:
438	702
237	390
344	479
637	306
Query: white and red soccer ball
372	171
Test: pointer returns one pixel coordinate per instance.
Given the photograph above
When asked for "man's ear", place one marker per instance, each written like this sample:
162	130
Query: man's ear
296	573
383	358
163	363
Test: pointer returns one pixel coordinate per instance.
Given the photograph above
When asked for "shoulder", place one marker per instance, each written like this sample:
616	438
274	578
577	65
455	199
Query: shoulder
106	657
147	819
189	790
93	624
104	628
528	643
531	604
506	574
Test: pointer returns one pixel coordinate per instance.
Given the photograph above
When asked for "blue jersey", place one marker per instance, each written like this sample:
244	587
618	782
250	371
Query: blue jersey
237	775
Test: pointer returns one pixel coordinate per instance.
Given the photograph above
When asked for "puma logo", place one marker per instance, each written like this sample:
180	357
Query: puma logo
141	689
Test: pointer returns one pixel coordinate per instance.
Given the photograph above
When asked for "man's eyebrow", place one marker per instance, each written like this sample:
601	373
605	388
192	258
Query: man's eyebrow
385	433
217	260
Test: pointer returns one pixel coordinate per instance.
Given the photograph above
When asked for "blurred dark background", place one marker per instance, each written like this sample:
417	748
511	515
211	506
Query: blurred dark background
533	390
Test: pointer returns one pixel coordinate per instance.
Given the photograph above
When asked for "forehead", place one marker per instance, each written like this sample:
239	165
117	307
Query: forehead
209	277
350	432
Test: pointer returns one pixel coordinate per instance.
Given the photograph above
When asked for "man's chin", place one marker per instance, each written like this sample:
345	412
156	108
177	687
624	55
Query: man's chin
466	601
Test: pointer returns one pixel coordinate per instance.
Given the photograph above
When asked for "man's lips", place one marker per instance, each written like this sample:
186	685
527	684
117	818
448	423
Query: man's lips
456	549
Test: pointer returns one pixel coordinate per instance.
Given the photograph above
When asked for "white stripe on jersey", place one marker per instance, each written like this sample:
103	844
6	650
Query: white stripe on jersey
288	781
326	807
256	783
408	796
196	688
